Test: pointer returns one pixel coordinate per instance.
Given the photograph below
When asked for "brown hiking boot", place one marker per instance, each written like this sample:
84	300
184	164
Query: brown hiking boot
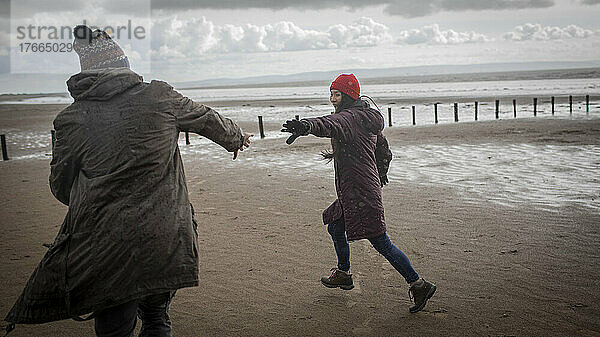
420	295
338	279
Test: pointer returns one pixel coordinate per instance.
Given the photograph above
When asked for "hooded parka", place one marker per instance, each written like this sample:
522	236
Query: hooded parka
361	155
128	232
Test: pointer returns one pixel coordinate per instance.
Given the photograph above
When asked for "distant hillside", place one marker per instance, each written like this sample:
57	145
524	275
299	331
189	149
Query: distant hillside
55	83
438	73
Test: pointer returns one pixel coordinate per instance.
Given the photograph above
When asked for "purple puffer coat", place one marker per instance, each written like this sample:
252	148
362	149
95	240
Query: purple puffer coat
361	155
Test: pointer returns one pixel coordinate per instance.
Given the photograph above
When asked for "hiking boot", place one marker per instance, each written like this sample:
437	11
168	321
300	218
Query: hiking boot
338	279
420	295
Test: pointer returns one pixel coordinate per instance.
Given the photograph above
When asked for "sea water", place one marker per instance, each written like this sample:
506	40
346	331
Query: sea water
389	92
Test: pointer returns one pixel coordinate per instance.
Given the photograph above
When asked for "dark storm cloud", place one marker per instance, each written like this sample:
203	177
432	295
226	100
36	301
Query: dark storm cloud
131	7
27	8
421	8
264	4
4	8
405	8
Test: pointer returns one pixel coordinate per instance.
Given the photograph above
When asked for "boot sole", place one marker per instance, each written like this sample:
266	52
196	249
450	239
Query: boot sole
344	287
429	295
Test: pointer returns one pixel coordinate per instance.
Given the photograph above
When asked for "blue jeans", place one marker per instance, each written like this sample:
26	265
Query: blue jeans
382	245
120	321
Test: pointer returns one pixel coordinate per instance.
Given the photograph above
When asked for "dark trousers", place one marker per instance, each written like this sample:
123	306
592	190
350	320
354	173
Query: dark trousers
382	245
120	321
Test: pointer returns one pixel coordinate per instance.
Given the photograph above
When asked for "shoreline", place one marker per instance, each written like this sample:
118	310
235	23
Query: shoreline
32	123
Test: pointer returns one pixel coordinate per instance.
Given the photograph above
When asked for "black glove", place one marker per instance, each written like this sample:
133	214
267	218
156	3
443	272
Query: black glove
383	179
296	128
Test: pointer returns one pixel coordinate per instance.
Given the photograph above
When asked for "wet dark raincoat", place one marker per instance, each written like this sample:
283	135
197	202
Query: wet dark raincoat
361	154
128	231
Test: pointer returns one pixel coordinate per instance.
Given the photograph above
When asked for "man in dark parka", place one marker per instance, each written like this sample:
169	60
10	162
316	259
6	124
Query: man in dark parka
128	240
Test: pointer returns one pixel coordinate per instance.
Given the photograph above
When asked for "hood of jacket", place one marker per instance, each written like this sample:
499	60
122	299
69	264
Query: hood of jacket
102	84
372	119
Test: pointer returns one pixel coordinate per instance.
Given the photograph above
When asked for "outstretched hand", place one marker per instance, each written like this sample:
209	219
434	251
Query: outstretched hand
296	128
245	144
383	179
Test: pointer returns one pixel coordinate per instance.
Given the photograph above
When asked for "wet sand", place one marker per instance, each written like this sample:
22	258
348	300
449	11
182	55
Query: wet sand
500	270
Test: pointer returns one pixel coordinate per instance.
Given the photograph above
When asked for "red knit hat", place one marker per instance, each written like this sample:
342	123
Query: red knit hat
348	84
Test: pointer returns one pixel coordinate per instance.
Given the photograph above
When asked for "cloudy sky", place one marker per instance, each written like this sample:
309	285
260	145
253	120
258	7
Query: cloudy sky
202	39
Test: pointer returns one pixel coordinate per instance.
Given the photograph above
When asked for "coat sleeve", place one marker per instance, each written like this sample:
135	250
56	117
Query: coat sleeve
340	126
64	166
383	154
195	117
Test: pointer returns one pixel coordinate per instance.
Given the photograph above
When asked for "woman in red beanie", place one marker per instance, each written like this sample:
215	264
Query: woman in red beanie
361	159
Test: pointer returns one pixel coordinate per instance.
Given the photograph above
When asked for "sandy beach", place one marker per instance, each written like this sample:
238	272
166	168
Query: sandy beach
504	263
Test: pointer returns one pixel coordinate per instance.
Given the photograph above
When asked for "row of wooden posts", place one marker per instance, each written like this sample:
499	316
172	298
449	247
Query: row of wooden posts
497	111
435	112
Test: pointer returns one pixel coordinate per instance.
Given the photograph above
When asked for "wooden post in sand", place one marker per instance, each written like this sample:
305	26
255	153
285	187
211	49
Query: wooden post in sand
497	108
53	137
552	105
261	128
435	116
390	116
570	105
4	151
535	107
456	112
587	104
187	138
413	115
515	108
476	109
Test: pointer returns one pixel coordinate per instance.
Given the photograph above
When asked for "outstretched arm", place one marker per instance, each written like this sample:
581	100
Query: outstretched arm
338	125
205	121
